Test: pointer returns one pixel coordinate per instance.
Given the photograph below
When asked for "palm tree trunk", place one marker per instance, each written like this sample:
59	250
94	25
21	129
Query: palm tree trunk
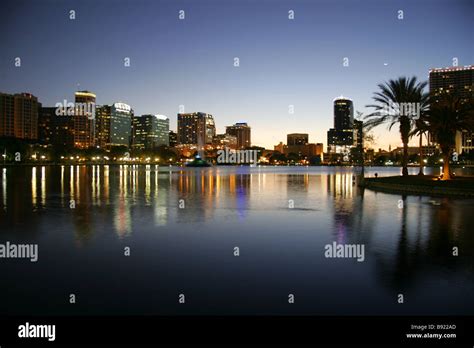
405	127
421	155
405	159
446	171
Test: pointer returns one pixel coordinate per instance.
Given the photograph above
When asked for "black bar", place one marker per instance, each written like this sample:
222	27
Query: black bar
137	330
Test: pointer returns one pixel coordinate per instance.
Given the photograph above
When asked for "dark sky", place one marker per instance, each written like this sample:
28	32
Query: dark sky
190	62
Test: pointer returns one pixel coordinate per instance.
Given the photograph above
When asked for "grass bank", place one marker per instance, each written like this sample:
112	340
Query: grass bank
422	185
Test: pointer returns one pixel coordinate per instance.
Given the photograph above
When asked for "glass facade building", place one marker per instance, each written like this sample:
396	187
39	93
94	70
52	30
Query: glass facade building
120	124
197	128
343	136
150	131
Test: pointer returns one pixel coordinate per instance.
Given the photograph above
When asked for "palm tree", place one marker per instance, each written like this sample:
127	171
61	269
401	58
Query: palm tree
448	115
391	99
421	128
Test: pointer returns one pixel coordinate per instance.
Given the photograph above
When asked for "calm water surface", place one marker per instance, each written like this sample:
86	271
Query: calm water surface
190	250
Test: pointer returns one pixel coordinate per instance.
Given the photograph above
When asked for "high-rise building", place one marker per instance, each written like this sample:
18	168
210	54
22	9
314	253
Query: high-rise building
343	136
84	119
113	125
55	129
46	117
7	115
120	124
150	131
343	113
242	132
197	128
19	116
173	138
455	81
102	126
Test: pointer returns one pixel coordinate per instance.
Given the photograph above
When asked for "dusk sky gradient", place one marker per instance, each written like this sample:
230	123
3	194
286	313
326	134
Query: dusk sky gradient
190	62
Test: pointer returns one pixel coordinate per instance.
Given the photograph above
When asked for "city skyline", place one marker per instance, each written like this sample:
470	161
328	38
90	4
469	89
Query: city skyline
216	165
190	61
105	126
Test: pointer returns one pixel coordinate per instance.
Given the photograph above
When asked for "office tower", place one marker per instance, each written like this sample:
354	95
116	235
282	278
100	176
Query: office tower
173	139
7	115
121	115
113	125
456	81
46	121
343	136
197	128
296	139
19	116
343	113
150	131
45	124
242	132
55	130
102	126
84	119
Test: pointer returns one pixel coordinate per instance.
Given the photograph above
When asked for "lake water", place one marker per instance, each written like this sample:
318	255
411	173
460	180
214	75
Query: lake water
182	226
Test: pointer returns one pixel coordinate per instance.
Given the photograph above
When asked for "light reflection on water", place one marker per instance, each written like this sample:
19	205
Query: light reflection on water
408	250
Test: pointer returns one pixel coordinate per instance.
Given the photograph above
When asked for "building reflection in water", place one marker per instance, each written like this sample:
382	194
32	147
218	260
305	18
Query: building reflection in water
33	187
205	191
4	187
403	243
347	209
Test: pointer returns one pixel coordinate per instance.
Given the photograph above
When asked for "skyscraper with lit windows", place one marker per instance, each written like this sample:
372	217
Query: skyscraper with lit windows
150	131
342	137
84	119
458	81
242	132
19	116
197	128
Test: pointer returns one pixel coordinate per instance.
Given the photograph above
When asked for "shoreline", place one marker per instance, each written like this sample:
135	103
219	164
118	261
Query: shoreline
427	185
89	163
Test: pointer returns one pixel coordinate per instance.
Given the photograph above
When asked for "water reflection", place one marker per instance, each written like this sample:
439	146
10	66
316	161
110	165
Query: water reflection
105	204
